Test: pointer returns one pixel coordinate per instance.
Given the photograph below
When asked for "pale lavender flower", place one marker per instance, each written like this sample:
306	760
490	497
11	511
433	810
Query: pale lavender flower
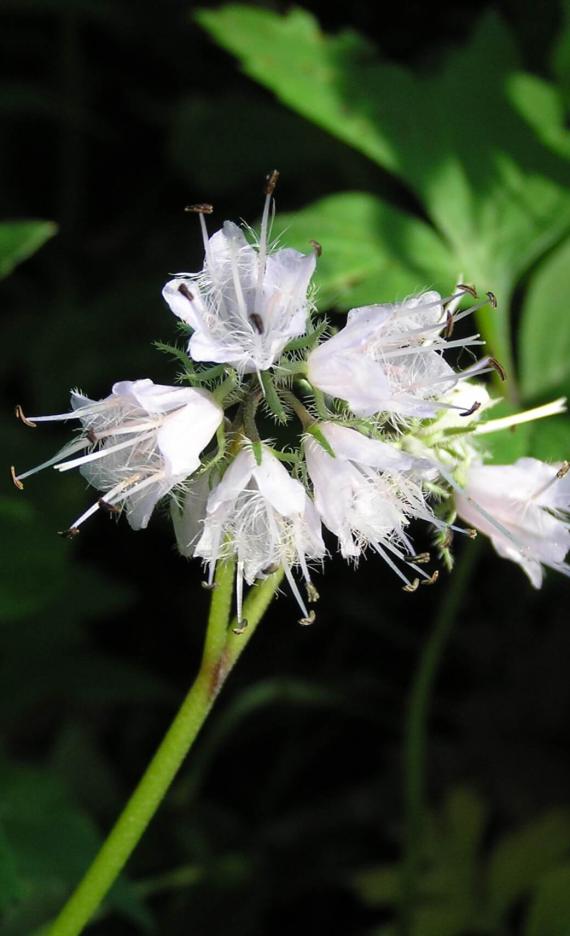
262	516
136	444
524	509
248	302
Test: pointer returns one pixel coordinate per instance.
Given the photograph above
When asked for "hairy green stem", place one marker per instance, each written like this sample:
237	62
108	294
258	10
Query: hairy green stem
221	650
416	734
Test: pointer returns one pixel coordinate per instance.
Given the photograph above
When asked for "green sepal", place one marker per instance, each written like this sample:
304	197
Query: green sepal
317	434
272	400
257	450
307	341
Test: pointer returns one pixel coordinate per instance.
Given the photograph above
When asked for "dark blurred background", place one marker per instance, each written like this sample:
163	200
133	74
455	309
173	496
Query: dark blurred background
290	812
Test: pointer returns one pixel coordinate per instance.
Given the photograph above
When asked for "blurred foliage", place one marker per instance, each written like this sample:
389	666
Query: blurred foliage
437	146
468	886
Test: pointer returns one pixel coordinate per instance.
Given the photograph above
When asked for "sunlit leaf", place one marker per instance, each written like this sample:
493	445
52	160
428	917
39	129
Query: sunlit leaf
371	251
545	327
494	192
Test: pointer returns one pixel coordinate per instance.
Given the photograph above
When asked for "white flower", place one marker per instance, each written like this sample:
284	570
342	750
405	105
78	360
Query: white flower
367	493
136	444
523	508
388	358
188	513
246	304
263	516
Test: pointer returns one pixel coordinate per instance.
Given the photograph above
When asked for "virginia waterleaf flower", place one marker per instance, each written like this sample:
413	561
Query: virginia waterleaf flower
367	493
264	517
136	444
389	358
530	504
248	301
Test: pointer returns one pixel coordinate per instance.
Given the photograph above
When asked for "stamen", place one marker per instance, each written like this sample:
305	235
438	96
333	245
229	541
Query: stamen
316	247
101	453
15	479
312	593
309	619
257	322
498	367
492	299
201	208
69	534
465	288
432	579
270	183
421	558
412	586
23	419
63	453
241	627
271	180
107	507
472	409
208	586
184	291
561	473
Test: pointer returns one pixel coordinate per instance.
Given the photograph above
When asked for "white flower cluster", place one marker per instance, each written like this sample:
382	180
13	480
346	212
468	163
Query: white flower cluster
389	429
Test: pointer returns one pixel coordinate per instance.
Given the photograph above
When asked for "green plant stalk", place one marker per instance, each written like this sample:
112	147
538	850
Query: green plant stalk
416	735
222	648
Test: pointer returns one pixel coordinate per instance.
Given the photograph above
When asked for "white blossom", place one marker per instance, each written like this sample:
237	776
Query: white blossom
389	358
367	493
263	517
524	509
136	444
247	303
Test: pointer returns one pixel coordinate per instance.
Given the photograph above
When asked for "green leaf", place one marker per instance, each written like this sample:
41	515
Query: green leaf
542	105
20	239
52	841
10	886
371	251
545	327
550	439
497	195
561	57
549	913
519	860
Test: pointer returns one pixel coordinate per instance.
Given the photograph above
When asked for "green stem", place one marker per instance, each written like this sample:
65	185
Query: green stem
416	732
221	650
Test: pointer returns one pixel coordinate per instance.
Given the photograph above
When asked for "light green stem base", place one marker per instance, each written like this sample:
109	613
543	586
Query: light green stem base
221	650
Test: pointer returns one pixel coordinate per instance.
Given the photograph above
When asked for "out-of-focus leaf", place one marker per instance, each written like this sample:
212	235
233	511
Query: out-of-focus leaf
549	913
550	439
545	327
492	189
371	251
561	57
519	860
9	880
31	570
542	105
52	842
378	887
20	239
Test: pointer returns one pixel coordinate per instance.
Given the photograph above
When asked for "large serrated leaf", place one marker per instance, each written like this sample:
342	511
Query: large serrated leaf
545	327
496	193
371	251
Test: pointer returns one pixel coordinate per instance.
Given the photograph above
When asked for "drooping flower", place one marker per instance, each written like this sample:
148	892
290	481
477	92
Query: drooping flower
247	303
389	358
524	509
136	444
367	493
262	516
